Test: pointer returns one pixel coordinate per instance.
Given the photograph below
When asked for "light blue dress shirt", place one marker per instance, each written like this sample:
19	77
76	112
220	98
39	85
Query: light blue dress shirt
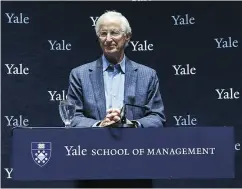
114	77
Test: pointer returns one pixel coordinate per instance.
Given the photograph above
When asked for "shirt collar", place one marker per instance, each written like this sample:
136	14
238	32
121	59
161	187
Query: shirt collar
106	63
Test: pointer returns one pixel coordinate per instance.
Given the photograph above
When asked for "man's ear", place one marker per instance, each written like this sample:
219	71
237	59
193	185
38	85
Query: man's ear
128	36
98	39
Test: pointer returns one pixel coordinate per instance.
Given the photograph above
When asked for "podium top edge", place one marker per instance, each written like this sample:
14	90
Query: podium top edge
50	128
167	127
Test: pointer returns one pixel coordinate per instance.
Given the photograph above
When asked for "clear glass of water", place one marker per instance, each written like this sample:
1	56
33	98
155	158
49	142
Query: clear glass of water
67	111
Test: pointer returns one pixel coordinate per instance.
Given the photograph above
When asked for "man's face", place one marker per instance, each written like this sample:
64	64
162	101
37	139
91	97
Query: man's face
111	37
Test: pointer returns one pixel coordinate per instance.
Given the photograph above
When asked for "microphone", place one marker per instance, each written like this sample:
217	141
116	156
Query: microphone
123	114
123	111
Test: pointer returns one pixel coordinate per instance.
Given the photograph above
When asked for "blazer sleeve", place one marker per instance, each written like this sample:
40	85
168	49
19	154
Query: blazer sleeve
155	116
75	93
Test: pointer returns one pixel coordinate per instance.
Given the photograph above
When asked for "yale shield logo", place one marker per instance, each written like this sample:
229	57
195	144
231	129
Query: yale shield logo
41	152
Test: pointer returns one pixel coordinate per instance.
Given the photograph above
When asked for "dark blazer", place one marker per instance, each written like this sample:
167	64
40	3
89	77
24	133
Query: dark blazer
86	88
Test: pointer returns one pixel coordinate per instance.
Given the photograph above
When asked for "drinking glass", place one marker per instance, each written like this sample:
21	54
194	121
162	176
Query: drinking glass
67	111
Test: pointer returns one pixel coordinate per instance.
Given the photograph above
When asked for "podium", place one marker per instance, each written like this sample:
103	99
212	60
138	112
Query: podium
122	153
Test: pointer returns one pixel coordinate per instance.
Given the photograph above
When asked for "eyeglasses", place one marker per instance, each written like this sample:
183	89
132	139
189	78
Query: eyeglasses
113	33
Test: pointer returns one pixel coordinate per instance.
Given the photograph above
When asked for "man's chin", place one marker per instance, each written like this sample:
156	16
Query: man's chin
110	51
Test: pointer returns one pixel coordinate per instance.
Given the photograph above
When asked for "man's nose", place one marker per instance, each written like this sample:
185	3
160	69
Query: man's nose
108	37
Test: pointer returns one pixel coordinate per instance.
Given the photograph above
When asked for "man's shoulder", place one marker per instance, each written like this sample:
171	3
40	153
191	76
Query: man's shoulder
85	67
143	68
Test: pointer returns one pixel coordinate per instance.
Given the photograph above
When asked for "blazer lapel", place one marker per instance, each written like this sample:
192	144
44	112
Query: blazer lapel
130	84
96	77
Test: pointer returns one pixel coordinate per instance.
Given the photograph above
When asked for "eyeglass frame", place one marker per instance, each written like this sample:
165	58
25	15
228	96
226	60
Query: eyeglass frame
111	35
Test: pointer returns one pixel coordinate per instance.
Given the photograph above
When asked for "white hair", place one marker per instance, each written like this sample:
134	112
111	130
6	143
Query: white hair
114	14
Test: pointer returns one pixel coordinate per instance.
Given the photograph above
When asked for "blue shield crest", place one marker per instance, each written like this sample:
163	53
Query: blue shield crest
41	152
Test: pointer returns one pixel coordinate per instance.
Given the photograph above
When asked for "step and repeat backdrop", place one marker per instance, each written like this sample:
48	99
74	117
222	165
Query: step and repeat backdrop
195	47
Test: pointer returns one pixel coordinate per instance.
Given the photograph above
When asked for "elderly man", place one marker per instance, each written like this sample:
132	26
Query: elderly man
102	87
